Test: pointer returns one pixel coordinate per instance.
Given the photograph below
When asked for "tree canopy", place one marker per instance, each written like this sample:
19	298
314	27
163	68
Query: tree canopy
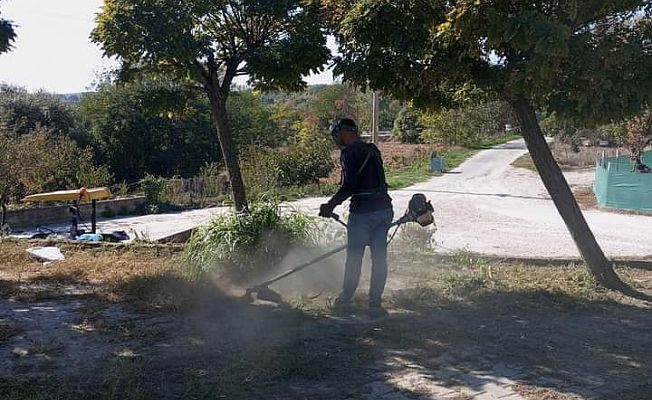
274	43
151	126
7	35
587	59
23	112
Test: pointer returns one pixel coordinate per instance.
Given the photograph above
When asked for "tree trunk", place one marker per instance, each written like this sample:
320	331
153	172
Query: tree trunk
224	134
3	219
562	196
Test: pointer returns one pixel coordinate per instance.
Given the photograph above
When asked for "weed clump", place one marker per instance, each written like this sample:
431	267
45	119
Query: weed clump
240	247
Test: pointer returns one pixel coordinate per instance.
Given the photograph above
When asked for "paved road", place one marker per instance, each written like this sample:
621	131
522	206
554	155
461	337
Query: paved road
485	206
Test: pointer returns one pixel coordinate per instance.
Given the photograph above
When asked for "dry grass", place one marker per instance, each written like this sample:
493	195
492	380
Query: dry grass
585	197
566	158
464	306
151	277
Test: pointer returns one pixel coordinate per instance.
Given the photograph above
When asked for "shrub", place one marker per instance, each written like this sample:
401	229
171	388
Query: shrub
466	126
266	170
258	169
240	247
407	127
154	189
304	164
42	161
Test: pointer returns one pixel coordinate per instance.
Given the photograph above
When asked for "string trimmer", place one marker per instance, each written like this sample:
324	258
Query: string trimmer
419	210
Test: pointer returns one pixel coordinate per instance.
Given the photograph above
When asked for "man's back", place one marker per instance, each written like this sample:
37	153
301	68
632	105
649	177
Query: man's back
364	178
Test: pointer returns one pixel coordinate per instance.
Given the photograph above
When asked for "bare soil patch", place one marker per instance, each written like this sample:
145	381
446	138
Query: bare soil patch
585	197
127	324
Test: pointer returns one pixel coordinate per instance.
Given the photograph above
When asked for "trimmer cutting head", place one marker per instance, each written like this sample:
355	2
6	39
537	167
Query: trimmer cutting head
262	293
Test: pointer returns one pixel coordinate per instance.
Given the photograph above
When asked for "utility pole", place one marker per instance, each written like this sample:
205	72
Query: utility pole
375	114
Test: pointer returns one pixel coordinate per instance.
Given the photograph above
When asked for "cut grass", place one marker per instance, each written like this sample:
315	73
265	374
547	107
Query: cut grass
534	317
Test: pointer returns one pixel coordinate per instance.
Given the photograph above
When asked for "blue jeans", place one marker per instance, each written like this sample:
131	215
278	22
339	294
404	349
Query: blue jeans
367	229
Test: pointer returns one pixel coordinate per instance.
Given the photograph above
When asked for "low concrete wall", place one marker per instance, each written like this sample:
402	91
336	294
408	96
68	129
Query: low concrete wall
31	217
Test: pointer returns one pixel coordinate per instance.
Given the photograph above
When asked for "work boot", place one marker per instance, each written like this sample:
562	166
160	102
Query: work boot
376	312
342	304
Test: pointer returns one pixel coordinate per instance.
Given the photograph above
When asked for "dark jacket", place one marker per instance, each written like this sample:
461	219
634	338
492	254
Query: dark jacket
363	179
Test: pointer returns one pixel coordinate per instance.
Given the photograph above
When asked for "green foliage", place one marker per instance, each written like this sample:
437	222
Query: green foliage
274	43
252	121
468	125
558	127
240	247
308	114
586	59
7	35
304	164
154	189
22	112
150	125
407	127
40	161
287	172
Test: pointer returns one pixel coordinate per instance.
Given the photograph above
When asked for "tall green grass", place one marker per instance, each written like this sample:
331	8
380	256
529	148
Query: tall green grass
240	247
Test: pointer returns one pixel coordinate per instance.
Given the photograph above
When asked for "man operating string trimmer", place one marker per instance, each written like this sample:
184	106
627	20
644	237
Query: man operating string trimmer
363	180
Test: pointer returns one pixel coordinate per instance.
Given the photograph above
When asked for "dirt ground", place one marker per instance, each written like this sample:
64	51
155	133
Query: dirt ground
125	323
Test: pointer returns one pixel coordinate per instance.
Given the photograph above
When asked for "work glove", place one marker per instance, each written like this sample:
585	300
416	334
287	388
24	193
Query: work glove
326	210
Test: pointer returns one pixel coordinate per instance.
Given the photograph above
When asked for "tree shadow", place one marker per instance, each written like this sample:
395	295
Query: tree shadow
597	349
212	345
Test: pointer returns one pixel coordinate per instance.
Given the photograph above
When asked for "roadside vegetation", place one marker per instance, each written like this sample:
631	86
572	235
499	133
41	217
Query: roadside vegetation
154	136
237	248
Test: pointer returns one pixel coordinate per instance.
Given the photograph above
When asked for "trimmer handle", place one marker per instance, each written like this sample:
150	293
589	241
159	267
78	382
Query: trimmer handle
338	220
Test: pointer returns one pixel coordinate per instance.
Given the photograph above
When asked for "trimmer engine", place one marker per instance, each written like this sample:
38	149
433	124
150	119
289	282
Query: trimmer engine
420	210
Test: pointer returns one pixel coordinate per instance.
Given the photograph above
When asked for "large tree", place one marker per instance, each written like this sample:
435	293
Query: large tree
7	35
590	60
149	125
211	42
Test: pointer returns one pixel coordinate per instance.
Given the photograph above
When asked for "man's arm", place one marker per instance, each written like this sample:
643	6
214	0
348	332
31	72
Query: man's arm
351	163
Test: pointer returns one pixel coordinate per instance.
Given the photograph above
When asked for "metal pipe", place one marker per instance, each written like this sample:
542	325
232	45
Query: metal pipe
94	216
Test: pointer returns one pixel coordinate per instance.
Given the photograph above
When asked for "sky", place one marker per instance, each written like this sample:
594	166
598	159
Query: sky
53	51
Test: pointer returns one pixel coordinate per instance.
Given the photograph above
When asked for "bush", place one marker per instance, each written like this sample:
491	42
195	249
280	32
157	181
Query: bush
407	128
42	161
154	189
240	247
304	164
258	169
266	170
467	126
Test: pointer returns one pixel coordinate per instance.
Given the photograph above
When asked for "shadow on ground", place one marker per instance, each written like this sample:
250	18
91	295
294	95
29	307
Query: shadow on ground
212	346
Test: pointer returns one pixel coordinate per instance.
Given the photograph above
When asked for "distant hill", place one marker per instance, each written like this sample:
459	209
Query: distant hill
72	97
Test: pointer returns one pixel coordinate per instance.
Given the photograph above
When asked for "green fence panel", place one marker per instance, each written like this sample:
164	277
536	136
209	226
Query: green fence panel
617	186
